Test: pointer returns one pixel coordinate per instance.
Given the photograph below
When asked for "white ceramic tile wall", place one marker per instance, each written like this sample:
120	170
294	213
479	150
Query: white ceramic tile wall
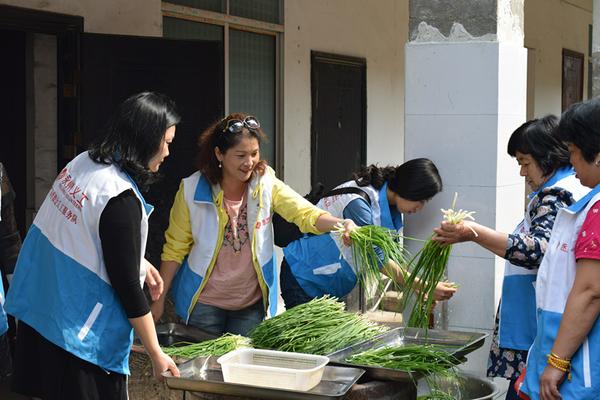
463	100
452	78
473	304
464	147
481	199
476	363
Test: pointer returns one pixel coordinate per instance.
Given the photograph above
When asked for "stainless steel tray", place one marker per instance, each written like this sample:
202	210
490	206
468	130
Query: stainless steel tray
203	374
171	333
459	344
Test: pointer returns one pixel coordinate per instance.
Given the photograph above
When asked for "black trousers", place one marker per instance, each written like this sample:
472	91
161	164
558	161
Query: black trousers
44	370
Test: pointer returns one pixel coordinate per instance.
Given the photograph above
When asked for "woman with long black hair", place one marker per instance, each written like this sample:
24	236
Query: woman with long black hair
312	266
77	287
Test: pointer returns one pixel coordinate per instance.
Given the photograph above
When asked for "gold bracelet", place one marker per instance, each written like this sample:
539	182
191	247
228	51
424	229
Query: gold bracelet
556	365
560	358
560	364
564	363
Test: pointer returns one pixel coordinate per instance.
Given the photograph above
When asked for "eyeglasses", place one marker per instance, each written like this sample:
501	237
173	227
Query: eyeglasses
236	125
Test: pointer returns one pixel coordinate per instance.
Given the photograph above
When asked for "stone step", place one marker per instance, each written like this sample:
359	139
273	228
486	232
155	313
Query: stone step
389	318
392	301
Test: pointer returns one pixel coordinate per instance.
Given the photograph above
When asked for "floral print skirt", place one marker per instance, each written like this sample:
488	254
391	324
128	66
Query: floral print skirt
505	363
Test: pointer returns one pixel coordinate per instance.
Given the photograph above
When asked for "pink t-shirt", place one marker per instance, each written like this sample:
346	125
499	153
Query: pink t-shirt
233	284
588	241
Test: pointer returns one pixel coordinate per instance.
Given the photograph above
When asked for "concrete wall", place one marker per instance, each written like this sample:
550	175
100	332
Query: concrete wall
45	112
132	17
550	26
478	17
510	21
374	30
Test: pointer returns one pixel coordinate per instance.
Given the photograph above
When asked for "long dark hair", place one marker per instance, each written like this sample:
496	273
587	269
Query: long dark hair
538	138
415	180
580	125
134	135
218	136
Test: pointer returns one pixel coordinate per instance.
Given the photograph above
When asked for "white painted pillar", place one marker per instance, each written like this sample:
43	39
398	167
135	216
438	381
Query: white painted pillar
464	98
596	49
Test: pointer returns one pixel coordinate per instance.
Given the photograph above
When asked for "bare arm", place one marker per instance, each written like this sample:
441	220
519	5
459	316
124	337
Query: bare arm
327	222
144	327
469	231
396	273
524	249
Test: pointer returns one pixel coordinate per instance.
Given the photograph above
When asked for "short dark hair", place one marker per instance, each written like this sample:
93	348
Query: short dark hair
134	134
580	125
415	180
538	138
217	135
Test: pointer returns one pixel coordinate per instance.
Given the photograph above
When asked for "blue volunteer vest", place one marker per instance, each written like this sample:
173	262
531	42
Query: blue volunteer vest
554	282
3	320
207	219
322	264
517	326
60	286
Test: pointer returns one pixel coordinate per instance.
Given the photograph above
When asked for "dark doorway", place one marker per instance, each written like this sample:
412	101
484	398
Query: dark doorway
17	26
190	72
338	122
12	104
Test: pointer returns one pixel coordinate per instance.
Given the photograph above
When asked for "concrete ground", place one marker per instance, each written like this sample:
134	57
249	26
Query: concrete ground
502	385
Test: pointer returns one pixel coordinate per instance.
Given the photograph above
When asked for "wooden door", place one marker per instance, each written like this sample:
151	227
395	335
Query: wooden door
338	129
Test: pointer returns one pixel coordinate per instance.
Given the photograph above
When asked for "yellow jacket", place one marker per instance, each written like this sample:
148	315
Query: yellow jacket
196	229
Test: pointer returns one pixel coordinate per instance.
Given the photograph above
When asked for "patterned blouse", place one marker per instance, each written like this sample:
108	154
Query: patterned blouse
526	250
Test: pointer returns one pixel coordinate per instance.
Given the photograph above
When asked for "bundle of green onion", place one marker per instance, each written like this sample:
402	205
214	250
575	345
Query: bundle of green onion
365	242
215	347
447	386
320	326
436	394
424	359
428	270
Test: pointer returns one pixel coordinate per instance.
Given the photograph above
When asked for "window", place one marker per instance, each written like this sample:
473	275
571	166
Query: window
250	33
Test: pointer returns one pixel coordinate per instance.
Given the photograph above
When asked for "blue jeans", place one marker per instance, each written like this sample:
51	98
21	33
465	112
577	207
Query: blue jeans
217	321
291	291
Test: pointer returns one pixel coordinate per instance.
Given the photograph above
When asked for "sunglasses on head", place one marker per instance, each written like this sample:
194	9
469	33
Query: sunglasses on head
236	125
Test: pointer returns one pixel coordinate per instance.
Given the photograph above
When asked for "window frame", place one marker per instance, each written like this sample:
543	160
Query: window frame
228	22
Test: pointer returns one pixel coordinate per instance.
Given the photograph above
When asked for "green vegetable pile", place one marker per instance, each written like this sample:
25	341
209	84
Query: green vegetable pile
215	347
424	359
320	326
